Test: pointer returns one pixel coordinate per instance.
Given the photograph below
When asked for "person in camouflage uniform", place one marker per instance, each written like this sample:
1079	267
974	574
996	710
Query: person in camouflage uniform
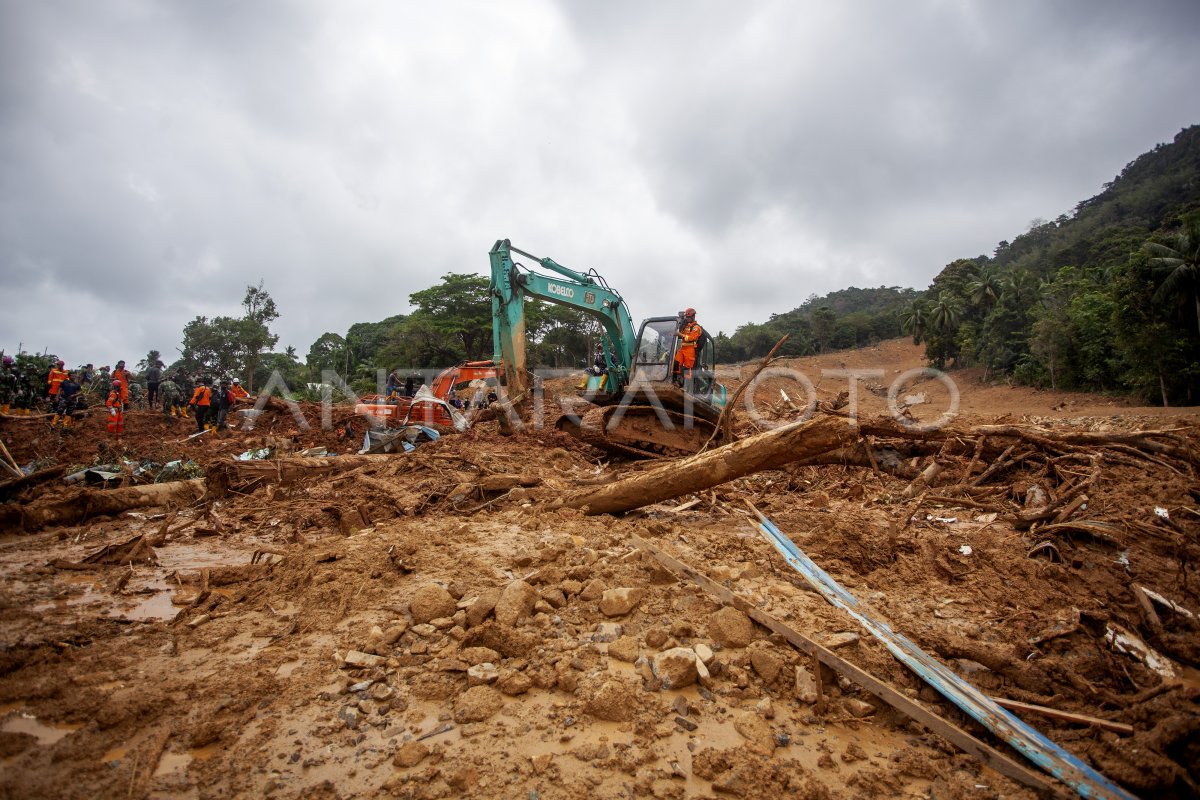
8	385
172	397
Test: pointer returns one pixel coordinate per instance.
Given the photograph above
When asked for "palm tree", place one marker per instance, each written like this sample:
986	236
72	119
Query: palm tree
1178	262
985	289
913	321
1019	288
945	313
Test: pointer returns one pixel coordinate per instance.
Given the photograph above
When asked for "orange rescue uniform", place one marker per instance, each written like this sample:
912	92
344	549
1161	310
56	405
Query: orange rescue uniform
238	392
116	412
57	376
121	374
202	396
685	356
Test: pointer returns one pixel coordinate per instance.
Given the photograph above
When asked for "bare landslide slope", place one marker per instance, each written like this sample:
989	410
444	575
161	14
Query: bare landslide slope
432	625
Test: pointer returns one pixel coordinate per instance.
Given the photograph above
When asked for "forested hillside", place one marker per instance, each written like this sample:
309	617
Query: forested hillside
1103	298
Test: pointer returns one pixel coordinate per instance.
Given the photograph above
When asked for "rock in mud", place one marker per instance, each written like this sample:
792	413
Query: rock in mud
607	632
515	603
483	605
806	685
767	663
514	683
481	674
410	754
479	655
656	637
619	602
614	700
351	716
355	658
858	708
477	704
593	590
676	667
624	649
731	628
431	602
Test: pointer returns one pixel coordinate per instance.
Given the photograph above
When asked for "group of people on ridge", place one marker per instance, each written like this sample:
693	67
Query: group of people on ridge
66	391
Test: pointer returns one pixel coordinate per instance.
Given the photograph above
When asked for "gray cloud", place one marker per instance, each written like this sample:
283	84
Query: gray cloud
157	158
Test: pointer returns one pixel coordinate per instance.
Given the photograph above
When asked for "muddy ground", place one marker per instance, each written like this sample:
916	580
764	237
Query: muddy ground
436	625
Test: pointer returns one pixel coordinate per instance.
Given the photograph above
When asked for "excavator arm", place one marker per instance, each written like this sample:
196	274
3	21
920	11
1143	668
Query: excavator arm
512	283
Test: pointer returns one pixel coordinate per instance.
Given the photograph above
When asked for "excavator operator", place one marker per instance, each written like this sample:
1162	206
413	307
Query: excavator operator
685	357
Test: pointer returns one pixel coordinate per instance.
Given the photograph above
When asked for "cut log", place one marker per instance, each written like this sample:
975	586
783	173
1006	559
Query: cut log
84	503
244	476
768	450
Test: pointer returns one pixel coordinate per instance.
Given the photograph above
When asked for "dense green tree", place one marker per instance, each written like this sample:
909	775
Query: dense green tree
460	307
254	333
328	352
230	345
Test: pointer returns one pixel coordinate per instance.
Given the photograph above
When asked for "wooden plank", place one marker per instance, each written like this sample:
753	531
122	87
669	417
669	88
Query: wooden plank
939	725
1065	716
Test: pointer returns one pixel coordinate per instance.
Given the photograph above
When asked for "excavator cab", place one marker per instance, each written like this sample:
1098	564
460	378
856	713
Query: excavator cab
654	360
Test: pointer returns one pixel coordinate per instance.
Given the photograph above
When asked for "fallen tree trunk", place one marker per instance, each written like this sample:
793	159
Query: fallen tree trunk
85	503
243	476
768	450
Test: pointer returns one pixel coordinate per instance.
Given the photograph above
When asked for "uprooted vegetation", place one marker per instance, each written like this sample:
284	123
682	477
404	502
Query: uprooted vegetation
460	620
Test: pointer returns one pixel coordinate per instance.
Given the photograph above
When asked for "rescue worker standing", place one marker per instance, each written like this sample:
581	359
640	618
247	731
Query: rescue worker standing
201	402
57	376
8	384
225	400
153	380
68	397
172	397
116	409
685	357
121	374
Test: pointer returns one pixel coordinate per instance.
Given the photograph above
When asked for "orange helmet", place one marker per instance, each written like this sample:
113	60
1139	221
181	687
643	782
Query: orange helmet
689	312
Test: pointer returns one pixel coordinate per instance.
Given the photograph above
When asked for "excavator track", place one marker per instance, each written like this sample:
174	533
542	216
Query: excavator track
639	431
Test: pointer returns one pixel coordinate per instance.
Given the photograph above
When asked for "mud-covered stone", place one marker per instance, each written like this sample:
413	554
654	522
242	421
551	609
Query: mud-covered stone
410	754
675	668
431	602
731	628
624	649
477	704
515	603
614	700
619	602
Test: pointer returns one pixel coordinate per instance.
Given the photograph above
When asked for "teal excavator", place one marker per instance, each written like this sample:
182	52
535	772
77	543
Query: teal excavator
635	403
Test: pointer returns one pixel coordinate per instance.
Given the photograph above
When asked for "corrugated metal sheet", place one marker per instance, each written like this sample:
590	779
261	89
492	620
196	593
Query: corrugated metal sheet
1032	744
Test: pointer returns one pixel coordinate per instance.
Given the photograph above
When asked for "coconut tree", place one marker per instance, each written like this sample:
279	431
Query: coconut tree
913	320
941	324
945	312
1177	261
985	289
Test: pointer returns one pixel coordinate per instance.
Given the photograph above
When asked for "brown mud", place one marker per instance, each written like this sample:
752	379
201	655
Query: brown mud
435	625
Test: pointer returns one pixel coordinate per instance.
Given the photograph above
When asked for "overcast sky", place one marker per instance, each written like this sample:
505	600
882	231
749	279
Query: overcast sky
157	157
